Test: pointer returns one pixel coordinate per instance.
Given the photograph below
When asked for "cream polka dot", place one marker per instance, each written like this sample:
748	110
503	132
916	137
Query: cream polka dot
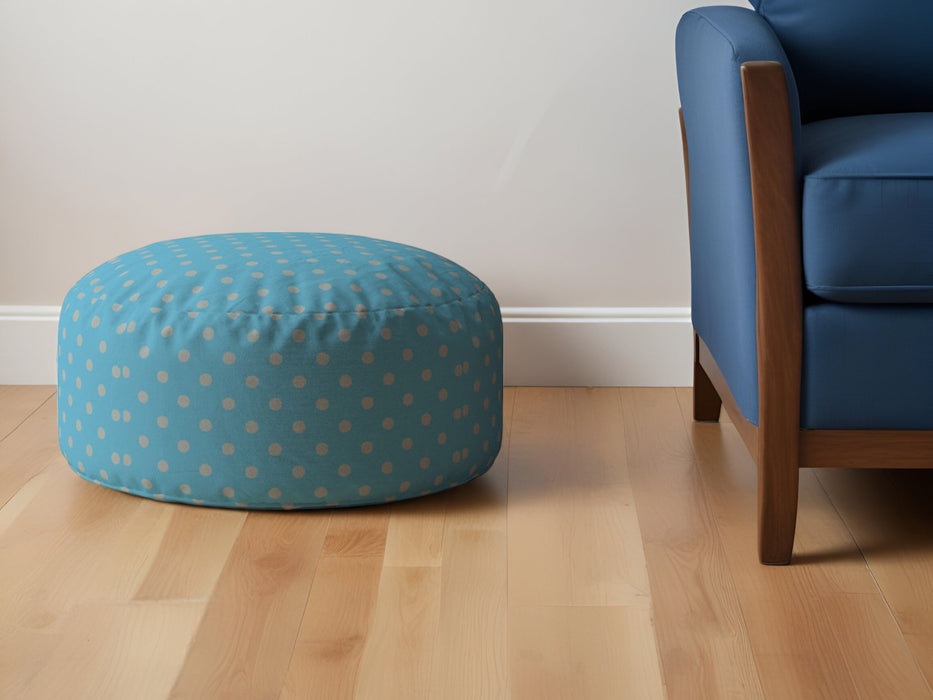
275	493
228	403
205	425
167	332
184	401
208	333
388	378
344	470
367	402
184	355
229	358
404	486
364	490
228	448
298	426
205	379
142	397
298	472
321	448
162	376
251	472
275	404
366	448
183	446
424	463
275	449
408	399
227	491
205	469
346	380
252	382
388	423
161	421
387	467
252	336
275	359
407	444
368	358
143	441
162	465
252	426
320	492
426	375
322	404
322	358
343	334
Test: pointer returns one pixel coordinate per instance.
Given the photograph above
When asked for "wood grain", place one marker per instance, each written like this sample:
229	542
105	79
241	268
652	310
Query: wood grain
901	449
704	646
111	652
791	612
326	659
18	402
573	535
29	449
192	554
583	652
243	645
779	303
416	531
641	577
357	532
400	646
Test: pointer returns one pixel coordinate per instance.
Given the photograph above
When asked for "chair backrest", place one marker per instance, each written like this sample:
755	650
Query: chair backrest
856	56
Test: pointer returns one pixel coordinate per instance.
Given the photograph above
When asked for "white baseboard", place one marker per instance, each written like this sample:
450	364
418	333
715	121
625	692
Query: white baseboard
544	346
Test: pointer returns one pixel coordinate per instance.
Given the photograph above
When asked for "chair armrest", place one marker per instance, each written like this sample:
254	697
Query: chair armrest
712	44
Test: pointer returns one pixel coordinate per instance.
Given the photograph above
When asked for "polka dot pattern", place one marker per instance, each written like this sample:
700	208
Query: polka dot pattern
279	371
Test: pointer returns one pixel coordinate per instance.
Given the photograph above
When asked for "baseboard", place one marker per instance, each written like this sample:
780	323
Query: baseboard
545	346
602	346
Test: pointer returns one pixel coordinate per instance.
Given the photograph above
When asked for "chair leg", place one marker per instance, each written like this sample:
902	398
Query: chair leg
777	507
706	401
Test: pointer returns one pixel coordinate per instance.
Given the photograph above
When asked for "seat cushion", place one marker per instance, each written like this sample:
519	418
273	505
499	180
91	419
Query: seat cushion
868	208
867	366
280	370
856	56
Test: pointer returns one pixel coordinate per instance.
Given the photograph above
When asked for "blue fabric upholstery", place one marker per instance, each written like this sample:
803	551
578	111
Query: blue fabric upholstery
867	367
856	57
868	208
712	44
280	371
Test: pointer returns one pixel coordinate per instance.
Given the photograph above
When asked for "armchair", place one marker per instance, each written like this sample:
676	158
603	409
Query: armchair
808	147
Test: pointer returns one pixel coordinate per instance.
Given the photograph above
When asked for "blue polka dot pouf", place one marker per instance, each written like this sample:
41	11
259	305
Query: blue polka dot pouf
280	370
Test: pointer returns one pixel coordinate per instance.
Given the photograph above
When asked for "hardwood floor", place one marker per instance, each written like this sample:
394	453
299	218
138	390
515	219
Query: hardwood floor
610	553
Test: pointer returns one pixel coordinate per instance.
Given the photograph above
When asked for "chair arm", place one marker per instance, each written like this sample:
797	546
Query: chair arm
712	44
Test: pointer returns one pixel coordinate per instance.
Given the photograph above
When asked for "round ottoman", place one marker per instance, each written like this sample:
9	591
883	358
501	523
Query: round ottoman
280	370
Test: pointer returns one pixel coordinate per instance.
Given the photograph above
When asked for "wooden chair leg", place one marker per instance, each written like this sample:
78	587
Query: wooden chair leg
777	508
706	401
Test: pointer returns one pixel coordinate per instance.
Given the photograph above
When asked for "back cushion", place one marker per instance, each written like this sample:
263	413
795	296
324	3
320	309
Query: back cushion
856	56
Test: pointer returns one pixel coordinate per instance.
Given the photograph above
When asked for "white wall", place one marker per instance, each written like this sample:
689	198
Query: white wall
533	141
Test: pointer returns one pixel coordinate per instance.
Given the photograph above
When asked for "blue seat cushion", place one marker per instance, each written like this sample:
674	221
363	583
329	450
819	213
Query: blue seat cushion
868	208
867	366
280	370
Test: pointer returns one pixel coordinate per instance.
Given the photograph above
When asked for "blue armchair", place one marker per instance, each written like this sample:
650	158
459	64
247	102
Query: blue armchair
808	142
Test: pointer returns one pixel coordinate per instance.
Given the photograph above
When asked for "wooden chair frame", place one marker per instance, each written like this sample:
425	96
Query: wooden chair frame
780	448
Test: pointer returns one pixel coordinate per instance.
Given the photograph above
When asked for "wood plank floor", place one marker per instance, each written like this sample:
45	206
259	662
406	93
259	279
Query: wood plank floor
610	553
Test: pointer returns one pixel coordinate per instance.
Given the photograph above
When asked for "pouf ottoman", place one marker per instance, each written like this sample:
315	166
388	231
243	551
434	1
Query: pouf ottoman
280	370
